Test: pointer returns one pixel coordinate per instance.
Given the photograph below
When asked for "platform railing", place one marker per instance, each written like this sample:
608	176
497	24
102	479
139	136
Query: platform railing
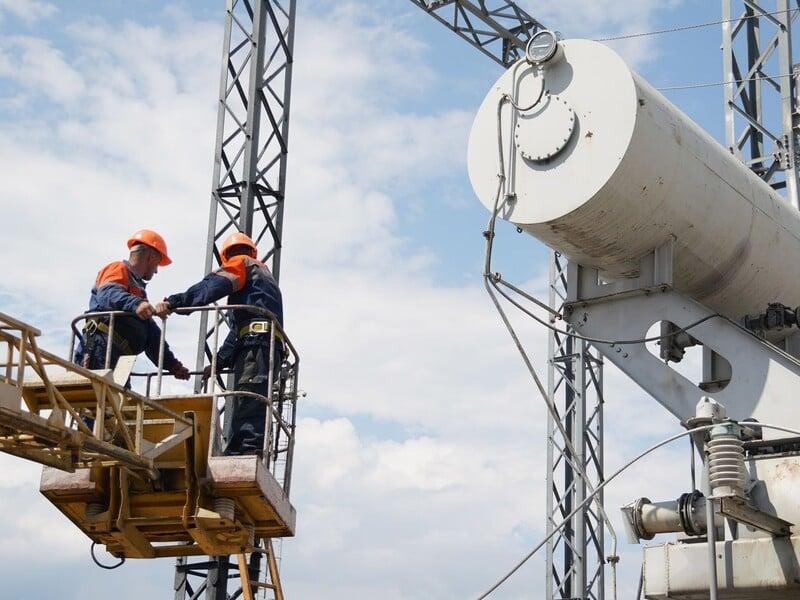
57	431
277	451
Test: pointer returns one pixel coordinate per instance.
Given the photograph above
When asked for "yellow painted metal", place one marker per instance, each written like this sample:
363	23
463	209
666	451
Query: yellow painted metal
143	480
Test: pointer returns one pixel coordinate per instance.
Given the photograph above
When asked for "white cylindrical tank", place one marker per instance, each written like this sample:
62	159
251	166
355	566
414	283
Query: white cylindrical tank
605	169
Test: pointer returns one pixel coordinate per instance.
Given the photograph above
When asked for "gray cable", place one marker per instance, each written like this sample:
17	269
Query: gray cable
526	359
600	487
628	36
588	499
600	340
694	86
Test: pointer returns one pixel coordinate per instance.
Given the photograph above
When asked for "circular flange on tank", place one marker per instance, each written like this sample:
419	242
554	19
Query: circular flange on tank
541	134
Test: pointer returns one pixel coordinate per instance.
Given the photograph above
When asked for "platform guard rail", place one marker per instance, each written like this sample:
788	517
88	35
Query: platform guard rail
68	442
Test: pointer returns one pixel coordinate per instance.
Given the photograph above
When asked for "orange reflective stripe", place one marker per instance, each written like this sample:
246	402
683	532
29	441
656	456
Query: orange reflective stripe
235	269
115	272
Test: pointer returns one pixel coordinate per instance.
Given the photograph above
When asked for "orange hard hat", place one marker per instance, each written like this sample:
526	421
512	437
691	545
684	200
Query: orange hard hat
237	239
150	238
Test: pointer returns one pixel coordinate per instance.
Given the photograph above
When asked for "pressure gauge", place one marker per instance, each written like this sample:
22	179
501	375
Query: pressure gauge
541	47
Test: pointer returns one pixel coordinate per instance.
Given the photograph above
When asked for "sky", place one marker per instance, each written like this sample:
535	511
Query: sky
420	460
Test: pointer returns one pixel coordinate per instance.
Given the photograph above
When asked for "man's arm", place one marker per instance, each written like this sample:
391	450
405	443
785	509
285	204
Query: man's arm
211	288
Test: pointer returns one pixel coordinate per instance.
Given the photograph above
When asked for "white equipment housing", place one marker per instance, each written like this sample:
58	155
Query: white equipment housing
624	170
661	224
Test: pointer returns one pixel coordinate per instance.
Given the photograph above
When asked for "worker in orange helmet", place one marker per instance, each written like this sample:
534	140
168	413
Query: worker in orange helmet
121	286
244	280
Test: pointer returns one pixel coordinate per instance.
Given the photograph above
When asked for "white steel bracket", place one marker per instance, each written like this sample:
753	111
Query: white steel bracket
584	284
763	378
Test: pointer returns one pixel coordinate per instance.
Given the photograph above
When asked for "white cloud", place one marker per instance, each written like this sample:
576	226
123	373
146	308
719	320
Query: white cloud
28	10
605	18
35	65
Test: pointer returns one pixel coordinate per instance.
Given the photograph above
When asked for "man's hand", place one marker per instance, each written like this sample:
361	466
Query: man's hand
206	372
145	310
163	309
179	371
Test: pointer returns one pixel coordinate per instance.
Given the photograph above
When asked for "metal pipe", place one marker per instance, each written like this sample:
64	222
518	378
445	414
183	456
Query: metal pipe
500	199
645	519
162	342
213	378
267	441
287	476
71	354
109	341
661	517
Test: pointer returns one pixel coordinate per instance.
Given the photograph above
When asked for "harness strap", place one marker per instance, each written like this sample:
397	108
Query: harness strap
119	341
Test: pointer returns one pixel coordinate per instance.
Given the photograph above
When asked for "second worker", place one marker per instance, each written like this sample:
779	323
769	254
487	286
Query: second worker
244	280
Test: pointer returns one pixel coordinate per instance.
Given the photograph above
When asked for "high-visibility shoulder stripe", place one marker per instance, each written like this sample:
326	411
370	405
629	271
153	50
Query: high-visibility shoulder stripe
116	273
235	269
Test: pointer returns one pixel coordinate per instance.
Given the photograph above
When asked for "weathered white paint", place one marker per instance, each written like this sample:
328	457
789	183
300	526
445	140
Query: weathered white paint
635	171
748	569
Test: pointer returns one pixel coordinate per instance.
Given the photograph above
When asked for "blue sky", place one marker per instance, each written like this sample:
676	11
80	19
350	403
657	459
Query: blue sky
420	460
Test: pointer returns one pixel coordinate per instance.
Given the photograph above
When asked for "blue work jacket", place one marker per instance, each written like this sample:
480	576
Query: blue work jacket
118	288
244	280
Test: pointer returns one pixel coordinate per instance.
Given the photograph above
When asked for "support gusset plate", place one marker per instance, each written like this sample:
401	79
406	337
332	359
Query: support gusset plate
764	379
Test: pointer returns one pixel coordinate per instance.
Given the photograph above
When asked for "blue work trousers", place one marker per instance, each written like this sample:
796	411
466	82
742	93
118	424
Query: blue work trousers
248	417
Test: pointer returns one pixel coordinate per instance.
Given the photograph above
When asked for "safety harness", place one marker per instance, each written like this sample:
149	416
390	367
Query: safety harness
92	326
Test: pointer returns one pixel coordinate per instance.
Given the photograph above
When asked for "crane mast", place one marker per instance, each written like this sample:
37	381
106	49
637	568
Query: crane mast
247	194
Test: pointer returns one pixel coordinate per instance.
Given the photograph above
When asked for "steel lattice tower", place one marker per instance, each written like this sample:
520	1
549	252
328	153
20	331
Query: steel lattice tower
247	192
575	558
761	117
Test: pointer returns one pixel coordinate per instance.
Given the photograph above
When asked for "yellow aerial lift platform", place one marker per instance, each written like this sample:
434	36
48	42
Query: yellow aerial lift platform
144	475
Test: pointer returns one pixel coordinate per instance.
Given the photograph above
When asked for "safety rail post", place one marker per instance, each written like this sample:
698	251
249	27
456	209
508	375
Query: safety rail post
9	361
71	355
100	415
22	360
287	477
213	385
139	430
110	341
267	441
162	342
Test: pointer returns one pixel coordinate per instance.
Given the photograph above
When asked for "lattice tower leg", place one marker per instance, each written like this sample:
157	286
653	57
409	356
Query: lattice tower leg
761	110
575	556
248	185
